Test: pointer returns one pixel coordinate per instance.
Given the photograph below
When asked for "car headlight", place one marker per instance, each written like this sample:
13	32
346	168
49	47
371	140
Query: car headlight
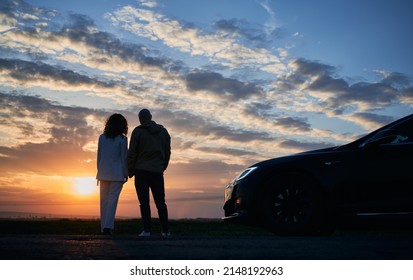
245	173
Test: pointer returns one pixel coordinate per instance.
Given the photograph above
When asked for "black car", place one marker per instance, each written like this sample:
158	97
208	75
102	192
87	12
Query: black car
306	193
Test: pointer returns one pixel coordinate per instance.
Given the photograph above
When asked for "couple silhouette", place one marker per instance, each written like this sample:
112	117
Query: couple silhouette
146	160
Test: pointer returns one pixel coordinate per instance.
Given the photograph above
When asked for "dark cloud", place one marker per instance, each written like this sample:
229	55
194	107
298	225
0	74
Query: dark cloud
263	110
305	70
321	78
197	125
294	124
371	93
81	28
18	9
260	110
326	83
380	120
397	80
36	71
227	88
287	83
20	107
241	28
407	93
256	106
312	68
227	151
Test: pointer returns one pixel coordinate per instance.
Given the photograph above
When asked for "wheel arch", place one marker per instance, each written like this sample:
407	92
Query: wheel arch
269	184
278	172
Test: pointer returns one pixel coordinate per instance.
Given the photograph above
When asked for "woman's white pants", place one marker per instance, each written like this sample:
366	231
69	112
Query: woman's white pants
109	196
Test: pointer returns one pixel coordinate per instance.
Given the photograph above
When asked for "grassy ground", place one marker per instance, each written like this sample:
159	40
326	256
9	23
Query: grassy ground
213	227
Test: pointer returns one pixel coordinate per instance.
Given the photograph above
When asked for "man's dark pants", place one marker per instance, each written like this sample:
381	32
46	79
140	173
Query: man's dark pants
145	180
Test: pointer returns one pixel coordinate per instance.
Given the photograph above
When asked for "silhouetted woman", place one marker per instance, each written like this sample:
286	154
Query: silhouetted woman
112	168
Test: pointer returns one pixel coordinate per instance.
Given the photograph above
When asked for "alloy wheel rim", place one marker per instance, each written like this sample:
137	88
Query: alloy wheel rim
292	205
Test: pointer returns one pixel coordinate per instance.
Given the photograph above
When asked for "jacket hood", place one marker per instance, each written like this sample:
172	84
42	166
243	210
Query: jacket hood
152	127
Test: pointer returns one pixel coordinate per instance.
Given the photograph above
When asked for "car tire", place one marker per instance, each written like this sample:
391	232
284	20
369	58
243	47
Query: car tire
294	205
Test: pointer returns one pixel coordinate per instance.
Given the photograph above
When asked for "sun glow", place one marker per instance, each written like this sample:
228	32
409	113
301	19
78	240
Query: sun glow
85	185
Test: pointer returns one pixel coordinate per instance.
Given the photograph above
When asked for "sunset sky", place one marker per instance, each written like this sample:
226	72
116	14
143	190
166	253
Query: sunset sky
233	81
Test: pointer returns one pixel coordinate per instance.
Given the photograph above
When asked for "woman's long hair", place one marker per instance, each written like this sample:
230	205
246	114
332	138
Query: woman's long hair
116	125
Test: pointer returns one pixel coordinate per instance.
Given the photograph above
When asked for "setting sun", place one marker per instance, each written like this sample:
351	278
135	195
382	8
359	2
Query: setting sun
85	185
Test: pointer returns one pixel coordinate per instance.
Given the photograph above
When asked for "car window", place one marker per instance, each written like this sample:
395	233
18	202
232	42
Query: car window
403	132
400	133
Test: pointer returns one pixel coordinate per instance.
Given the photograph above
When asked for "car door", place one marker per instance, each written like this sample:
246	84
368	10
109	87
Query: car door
386	185
377	178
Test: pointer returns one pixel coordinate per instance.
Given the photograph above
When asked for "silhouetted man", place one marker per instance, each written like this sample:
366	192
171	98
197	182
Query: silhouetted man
148	157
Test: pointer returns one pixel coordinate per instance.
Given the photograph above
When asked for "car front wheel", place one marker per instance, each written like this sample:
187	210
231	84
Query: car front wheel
294	205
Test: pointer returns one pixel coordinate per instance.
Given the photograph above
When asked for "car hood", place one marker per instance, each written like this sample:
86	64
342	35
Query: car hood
294	157
320	151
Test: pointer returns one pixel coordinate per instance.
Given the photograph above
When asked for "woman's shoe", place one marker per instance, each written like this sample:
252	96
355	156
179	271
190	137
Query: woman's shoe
144	234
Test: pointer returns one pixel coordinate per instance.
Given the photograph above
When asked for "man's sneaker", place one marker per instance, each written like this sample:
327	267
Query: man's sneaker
166	234
144	234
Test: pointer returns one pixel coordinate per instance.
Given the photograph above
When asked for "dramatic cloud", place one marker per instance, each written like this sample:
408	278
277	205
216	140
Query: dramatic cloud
196	125
26	71
224	87
55	136
294	124
218	48
244	29
337	94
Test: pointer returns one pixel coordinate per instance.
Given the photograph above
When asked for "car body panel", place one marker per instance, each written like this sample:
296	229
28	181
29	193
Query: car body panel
370	175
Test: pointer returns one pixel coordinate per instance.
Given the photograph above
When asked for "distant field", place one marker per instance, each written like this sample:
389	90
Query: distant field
182	227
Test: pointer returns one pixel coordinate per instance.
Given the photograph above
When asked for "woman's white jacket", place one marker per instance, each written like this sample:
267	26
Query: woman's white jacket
112	158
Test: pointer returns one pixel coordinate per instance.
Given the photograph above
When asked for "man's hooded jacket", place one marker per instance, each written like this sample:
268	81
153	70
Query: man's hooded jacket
149	148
